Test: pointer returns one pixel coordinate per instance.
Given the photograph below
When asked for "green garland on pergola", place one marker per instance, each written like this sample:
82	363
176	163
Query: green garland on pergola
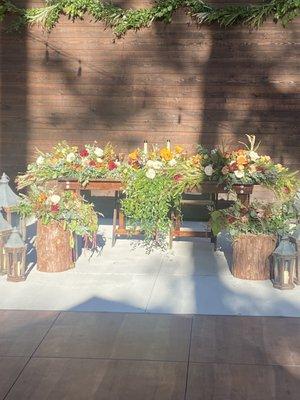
122	20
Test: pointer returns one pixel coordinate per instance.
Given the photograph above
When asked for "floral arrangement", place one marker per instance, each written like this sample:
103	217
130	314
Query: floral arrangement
67	208
90	162
245	166
258	218
154	184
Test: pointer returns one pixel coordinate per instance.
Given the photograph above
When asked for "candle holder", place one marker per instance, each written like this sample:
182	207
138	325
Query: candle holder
15	257
284	257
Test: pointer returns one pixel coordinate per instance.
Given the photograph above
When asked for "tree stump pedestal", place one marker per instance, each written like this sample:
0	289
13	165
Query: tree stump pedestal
251	256
54	251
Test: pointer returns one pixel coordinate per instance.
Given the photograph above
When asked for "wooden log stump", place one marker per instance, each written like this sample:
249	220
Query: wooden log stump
54	251
251	256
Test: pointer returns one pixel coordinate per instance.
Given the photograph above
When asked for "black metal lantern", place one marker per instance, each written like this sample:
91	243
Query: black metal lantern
284	264
15	257
8	202
296	238
5	231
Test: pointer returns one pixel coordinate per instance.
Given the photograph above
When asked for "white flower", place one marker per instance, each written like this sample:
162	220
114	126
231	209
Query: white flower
85	161
253	155
239	174
40	160
55	198
98	151
99	159
172	162
70	157
157	164
149	164
150	173
209	170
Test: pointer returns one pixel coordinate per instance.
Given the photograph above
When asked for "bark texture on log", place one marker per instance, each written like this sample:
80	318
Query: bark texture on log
54	252
251	256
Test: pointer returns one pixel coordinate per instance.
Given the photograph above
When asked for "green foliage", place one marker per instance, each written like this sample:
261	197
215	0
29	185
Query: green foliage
123	20
149	200
66	208
147	205
258	218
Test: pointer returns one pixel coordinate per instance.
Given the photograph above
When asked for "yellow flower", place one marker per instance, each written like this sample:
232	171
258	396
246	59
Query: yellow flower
241	167
178	149
166	154
134	155
265	159
241	160
279	167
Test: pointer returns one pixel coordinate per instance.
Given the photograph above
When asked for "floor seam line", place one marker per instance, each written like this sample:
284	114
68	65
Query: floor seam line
188	360
31	356
157	275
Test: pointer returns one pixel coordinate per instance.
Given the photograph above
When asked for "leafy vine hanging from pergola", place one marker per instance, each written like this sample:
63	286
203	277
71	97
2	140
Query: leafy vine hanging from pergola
121	20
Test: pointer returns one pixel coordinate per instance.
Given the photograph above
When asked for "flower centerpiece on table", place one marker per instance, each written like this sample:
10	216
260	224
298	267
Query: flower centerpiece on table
65	161
244	166
67	208
154	183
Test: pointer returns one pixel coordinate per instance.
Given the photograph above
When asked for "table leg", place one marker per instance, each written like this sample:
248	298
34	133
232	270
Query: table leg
115	217
244	199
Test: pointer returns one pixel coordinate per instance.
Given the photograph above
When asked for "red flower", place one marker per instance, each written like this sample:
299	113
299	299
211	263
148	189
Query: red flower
111	165
232	167
177	177
230	219
84	153
92	163
54	207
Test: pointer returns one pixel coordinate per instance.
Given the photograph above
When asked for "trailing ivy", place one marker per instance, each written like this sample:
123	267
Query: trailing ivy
122	20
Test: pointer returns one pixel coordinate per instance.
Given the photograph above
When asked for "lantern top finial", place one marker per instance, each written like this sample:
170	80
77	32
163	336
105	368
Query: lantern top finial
15	241
4	178
4	225
285	248
7	197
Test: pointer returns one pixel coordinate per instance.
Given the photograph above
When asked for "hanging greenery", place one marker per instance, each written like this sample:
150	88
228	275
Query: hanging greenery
121	20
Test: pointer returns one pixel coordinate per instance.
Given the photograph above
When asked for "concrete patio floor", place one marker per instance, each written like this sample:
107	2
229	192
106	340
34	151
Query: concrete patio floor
192	279
118	356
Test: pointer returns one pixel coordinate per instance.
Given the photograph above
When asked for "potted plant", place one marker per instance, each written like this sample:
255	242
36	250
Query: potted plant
254	230
59	216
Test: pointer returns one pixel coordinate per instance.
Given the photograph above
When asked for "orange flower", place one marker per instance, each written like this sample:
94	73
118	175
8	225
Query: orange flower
178	149
241	160
53	160
241	152
42	197
166	154
134	155
196	160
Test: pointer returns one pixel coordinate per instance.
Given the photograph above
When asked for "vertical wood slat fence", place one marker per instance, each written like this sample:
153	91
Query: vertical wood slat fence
170	81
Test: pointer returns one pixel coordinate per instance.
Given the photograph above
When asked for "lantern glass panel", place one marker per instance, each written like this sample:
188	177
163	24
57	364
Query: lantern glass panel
15	261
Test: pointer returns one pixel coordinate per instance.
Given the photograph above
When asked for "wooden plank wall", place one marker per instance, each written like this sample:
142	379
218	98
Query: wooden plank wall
177	81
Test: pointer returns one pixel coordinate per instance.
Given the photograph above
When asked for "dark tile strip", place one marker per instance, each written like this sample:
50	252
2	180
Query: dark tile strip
188	361
38	345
